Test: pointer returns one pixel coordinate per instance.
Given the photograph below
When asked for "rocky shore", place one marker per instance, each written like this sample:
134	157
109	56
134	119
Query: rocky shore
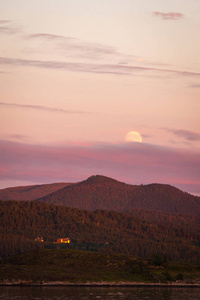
98	284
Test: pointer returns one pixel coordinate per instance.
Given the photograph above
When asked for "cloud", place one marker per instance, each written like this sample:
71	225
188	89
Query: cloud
133	163
4	22
169	16
18	136
116	69
48	36
76	46
188	135
67	46
7	27
195	86
72	49
43	108
68	66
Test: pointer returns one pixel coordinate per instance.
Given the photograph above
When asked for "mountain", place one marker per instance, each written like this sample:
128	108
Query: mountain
31	192
100	192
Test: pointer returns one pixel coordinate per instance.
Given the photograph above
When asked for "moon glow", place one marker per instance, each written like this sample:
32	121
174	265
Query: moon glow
133	136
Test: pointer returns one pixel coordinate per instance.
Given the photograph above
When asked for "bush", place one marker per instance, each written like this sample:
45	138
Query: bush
179	276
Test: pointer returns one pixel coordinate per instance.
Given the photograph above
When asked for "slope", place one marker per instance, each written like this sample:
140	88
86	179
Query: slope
141	234
100	192
31	192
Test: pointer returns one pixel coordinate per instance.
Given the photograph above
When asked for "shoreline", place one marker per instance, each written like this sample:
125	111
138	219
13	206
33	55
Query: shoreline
23	283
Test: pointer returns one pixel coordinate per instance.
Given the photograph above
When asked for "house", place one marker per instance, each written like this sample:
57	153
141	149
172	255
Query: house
64	240
39	239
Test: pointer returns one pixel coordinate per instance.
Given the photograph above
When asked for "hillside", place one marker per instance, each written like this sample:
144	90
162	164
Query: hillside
100	192
143	233
31	192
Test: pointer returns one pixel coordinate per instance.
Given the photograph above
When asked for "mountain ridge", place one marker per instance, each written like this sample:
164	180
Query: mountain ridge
101	192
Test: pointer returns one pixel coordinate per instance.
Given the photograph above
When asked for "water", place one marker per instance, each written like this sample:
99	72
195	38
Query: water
96	293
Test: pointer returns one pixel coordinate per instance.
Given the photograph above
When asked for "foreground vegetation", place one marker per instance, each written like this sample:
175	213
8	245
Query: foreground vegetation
84	266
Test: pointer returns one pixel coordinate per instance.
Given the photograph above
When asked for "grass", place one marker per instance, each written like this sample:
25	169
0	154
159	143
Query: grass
84	266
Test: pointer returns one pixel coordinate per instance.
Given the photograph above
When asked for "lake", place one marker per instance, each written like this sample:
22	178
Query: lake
95	293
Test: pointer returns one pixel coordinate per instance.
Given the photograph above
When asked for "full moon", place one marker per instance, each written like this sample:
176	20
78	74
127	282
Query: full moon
133	136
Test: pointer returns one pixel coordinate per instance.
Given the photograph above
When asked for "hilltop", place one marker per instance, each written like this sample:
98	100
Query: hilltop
100	192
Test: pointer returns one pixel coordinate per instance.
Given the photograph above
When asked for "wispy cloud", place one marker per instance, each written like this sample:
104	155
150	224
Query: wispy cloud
91	68
75	46
48	36
18	137
7	27
186	134
4	22
67	46
43	108
169	15
134	163
72	49
195	86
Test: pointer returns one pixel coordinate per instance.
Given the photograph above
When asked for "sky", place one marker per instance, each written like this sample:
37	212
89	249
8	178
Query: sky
77	76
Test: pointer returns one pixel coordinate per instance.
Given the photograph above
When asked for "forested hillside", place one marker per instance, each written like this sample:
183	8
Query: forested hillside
100	192
140	234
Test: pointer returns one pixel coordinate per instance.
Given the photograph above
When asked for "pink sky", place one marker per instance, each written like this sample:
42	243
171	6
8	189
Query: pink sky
77	76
